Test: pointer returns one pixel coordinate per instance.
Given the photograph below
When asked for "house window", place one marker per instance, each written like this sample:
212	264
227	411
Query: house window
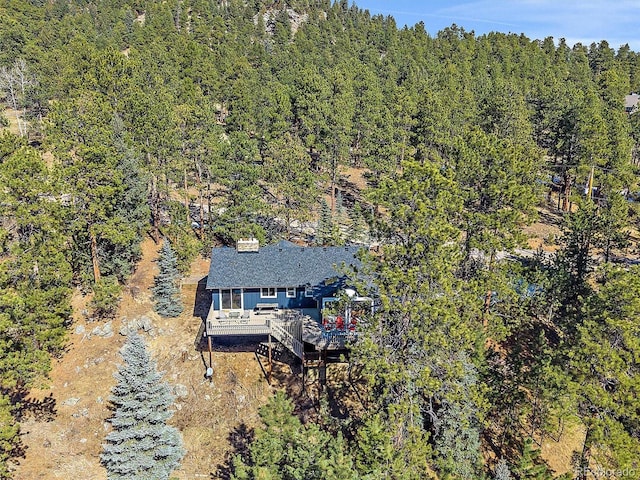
308	291
268	292
291	292
231	299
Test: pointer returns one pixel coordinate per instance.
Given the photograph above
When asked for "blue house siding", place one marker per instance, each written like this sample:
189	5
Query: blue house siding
280	266
300	301
251	297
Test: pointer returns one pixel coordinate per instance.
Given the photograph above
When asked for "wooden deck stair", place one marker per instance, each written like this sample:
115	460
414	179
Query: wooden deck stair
286	335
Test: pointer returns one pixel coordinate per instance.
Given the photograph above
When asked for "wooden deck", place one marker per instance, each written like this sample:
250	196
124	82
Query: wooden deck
251	323
284	325
290	327
315	334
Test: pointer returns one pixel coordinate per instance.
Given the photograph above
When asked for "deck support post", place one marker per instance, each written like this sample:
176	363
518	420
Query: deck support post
304	371
209	345
270	363
322	369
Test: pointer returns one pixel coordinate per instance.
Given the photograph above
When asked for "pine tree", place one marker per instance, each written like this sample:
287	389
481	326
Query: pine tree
417	350
166	293
325	225
605	367
295	189
9	435
141	445
358	227
284	448
531	466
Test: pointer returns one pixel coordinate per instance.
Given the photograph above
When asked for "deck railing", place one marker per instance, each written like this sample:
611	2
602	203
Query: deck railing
216	328
289	327
286	327
289	334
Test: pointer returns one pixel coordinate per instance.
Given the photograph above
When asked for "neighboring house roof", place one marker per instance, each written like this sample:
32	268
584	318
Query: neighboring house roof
281	265
631	102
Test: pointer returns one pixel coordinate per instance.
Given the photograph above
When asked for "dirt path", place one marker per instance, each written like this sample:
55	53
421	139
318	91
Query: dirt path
64	440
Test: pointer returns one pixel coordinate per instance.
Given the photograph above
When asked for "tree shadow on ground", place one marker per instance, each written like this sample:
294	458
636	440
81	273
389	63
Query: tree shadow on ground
42	410
335	399
240	439
24	407
515	415
550	217
287	375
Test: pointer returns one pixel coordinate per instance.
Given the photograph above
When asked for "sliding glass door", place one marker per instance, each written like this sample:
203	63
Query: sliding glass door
231	299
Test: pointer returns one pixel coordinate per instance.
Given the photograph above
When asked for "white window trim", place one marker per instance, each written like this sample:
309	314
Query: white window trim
308	292
275	292
291	292
231	290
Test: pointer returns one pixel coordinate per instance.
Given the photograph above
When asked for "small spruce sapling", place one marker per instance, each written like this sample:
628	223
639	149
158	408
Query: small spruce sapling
358	227
166	293
325	225
339	203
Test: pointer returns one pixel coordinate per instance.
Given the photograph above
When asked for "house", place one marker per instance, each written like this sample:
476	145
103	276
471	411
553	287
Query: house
278	292
254	279
631	103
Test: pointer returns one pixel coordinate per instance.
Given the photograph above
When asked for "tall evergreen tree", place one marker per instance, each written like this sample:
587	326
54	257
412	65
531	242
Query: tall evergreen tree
325	225
35	276
417	351
141	446
606	368
358	227
99	217
166	293
575	263
294	189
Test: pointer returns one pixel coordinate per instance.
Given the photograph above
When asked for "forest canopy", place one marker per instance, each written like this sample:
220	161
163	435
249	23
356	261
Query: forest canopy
202	122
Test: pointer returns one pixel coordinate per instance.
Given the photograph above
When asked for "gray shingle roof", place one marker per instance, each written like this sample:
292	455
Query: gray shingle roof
280	265
631	101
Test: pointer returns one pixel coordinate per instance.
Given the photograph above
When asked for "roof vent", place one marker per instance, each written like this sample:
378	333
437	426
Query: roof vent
247	245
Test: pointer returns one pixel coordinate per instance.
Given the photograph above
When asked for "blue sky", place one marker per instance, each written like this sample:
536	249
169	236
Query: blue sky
585	21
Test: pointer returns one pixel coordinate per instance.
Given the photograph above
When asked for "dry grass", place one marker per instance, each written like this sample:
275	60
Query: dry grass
69	446
558	454
10	114
355	176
